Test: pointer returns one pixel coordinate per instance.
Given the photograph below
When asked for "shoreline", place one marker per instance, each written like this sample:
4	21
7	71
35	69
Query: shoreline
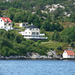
37	58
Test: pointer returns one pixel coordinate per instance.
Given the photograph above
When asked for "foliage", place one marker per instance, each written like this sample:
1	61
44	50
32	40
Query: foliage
51	27
12	43
55	36
39	41
59	48
72	44
68	34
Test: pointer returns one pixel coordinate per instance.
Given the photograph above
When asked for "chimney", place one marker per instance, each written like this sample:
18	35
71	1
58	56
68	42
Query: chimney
31	24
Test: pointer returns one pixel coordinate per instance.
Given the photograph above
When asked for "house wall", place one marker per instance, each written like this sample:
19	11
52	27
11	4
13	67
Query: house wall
65	54
28	32
70	56
20	24
1	23
23	24
35	32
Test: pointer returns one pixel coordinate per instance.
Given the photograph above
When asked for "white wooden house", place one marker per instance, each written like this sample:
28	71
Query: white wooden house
5	23
32	32
68	54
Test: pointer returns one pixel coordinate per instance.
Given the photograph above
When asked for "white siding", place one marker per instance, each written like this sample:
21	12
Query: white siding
65	54
1	23
33	33
23	24
28	32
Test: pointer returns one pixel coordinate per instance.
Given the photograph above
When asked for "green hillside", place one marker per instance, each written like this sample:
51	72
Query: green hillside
12	43
55	18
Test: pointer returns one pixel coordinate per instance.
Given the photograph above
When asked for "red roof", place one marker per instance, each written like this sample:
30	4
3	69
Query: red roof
6	19
70	52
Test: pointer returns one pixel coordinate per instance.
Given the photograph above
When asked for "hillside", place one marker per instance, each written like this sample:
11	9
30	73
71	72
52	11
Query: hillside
57	10
55	18
67	24
12	43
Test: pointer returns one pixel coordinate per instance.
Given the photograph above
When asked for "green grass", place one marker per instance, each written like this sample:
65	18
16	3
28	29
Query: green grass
55	44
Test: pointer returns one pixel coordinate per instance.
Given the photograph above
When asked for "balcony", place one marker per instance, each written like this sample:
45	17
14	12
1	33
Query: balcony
41	34
35	37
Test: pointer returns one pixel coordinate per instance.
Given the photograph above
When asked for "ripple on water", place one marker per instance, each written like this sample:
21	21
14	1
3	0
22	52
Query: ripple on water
37	67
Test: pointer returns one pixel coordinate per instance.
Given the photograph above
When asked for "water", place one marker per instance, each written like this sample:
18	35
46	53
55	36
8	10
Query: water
37	67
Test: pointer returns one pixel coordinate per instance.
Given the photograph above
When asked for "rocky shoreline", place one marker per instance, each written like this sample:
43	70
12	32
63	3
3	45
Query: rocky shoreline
27	58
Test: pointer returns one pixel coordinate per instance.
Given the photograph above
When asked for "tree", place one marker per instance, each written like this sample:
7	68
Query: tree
12	16
72	44
18	38
55	36
68	35
0	13
59	47
46	26
58	27
73	17
39	41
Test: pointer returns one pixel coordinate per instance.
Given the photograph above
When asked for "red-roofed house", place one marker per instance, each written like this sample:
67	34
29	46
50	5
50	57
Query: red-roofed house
68	54
5	23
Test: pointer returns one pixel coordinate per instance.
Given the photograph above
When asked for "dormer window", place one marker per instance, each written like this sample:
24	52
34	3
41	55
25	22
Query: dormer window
6	20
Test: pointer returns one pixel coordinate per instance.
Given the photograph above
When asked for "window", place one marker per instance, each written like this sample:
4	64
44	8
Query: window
37	33
26	32
5	24
29	32
36	29
1	20
23	24
33	32
71	55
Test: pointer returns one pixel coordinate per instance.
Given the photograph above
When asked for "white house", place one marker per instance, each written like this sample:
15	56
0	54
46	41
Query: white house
32	32
23	24
5	23
68	54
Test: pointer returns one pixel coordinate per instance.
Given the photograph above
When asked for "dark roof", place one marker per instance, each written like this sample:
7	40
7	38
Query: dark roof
31	26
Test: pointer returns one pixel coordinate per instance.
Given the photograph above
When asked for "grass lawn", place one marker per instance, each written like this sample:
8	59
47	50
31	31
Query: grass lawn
55	44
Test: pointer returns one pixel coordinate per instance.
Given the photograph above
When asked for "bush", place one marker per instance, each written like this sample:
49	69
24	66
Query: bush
59	48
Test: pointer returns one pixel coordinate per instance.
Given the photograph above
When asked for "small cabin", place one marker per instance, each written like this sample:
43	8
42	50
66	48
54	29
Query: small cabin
68	54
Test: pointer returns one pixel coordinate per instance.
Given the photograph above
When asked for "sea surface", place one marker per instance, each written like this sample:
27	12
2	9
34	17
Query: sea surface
37	67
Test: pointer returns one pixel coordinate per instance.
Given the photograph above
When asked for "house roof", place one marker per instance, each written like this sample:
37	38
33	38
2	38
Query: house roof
31	26
70	52
6	19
